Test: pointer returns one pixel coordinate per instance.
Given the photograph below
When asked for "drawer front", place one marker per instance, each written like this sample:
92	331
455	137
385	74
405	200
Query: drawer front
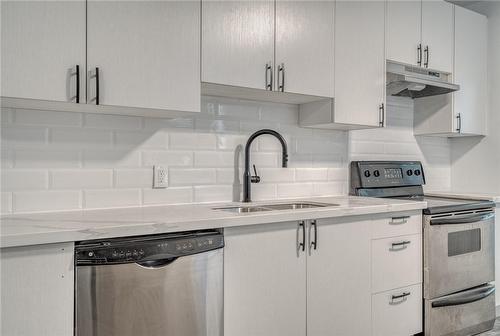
398	224
397	312
396	262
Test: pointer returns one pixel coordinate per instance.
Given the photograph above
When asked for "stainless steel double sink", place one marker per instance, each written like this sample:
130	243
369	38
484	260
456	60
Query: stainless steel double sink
276	206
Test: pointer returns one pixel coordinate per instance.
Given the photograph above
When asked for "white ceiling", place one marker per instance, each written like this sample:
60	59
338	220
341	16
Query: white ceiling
480	6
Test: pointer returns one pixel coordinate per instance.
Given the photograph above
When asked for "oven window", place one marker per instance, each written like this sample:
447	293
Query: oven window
462	242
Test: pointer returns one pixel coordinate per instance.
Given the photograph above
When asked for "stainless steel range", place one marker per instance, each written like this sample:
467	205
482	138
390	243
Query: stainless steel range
459	248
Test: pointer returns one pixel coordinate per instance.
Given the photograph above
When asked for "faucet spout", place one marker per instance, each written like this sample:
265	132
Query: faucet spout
247	176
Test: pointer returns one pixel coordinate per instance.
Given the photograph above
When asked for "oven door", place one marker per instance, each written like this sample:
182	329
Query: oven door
459	252
461	314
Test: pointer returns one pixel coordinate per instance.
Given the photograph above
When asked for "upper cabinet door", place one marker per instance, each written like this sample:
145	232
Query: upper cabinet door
359	62
304	47
471	33
147	52
404	28
42	43
437	35
237	42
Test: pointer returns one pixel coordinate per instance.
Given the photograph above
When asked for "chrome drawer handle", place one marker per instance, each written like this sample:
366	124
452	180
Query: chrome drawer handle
399	220
399	245
400	297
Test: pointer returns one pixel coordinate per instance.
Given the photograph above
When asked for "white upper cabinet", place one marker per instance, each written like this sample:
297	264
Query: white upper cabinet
437	35
42	43
238	42
404	28
470	72
359	62
147	53
420	33
304	47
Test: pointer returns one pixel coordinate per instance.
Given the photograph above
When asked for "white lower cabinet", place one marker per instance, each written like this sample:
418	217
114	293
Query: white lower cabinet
397	312
338	278
264	281
324	277
37	290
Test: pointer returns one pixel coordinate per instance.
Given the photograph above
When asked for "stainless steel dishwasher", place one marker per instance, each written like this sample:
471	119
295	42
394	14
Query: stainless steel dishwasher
168	285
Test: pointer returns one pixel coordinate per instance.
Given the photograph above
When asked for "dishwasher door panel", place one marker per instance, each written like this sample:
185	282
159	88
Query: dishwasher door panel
181	298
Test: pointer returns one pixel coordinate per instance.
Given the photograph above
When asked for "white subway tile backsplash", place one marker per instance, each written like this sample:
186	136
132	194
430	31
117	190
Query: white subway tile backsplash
46	158
112	121
216	193
94	158
81	179
23	136
48	118
311	174
143	140
6	115
108	198
185	177
80	138
198	141
167	158
5	202
17	179
27	201
133	178
168	196
289	190
95	161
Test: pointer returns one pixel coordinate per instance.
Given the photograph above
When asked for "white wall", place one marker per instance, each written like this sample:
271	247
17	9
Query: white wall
476	161
62	160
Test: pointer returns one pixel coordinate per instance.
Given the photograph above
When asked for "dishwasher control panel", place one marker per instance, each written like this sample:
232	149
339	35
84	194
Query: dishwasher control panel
148	248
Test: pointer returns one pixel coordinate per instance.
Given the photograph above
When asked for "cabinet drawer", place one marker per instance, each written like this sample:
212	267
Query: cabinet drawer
397	225
397	312
396	262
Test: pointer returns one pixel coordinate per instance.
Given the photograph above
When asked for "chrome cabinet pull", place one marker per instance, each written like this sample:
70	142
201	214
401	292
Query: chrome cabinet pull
269	77
401	297
77	97
281	83
314	241
419	54
399	220
426	52
381	110
459	123
399	245
302	245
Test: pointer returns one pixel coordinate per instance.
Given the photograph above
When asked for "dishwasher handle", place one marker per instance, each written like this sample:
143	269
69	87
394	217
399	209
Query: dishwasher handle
157	263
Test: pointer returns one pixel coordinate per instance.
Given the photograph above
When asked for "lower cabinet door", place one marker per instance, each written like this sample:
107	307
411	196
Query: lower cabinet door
265	280
397	312
338	279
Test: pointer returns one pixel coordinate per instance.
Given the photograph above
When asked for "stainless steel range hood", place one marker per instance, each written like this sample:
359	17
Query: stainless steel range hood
415	82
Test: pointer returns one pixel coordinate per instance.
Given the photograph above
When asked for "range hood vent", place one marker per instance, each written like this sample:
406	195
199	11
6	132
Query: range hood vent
415	82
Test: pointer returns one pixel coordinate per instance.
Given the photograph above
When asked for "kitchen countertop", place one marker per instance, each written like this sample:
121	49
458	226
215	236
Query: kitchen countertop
56	227
472	195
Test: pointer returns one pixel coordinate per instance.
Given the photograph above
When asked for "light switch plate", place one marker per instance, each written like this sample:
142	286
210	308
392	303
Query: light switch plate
160	177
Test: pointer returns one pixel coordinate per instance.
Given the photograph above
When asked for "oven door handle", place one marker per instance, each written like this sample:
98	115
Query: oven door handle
463	220
476	295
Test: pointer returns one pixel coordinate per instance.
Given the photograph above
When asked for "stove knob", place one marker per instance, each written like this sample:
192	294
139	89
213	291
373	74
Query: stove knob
91	254
417	172
409	172
367	173
376	173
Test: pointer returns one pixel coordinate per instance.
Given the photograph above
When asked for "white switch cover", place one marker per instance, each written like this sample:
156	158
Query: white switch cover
160	177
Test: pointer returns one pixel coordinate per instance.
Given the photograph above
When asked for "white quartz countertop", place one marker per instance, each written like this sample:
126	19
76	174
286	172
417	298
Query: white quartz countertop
467	195
55	227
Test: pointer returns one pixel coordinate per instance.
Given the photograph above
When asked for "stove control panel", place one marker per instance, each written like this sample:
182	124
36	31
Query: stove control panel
384	174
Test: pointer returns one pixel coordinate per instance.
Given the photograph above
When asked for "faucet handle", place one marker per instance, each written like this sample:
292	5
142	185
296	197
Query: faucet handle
255	178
